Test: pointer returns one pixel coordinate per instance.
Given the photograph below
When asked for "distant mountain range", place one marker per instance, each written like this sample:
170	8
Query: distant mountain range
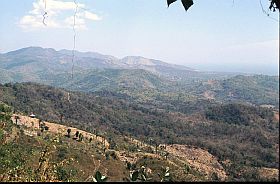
138	77
36	64
36	60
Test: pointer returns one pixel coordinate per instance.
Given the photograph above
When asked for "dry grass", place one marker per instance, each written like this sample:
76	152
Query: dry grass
199	159
55	128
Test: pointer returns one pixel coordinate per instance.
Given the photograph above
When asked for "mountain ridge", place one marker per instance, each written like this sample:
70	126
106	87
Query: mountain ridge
135	76
94	55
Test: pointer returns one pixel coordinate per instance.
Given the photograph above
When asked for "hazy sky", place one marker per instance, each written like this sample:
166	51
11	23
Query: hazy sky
221	35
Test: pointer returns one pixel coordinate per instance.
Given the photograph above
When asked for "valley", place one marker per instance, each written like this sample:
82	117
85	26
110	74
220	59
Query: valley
203	126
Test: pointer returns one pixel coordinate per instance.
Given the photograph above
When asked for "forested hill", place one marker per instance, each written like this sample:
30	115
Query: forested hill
148	87
246	142
256	89
146	80
35	63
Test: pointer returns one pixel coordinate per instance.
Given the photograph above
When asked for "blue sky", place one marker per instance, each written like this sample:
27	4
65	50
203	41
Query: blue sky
221	35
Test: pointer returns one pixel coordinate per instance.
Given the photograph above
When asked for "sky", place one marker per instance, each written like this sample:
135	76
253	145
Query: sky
213	35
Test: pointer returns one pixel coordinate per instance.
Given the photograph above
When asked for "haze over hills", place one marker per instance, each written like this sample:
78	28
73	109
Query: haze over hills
135	76
35	63
38	59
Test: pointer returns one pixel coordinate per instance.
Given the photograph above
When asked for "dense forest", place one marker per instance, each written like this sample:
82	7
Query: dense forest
246	135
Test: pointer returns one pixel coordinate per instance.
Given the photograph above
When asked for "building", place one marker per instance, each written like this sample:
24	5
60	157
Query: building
32	115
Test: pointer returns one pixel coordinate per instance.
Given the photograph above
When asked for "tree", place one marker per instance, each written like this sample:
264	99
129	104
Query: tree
61	118
165	176
68	132
166	155
17	118
99	177
139	174
46	128
5	112
81	137
156	145
77	134
187	168
40	121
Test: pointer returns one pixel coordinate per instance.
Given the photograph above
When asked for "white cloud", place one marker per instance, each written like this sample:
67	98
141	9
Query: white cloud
80	23
91	16
59	15
30	22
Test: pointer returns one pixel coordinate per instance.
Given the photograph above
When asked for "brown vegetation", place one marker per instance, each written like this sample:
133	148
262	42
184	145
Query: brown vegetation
54	128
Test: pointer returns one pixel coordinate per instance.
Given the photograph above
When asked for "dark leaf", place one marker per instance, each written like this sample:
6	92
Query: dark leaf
271	6
134	176
170	2
98	176
275	4
187	4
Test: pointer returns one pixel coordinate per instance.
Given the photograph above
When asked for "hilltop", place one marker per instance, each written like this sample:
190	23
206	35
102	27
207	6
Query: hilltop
43	62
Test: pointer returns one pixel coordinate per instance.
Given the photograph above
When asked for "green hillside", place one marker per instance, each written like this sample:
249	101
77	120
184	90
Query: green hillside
9	76
257	89
109	79
50	157
145	86
250	143
145	80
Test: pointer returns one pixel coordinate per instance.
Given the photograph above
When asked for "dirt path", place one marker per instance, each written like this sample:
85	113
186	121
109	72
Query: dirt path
54	127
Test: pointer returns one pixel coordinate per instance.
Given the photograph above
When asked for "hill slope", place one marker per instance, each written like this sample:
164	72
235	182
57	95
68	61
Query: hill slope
246	144
28	154
110	79
257	89
38	61
145	79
